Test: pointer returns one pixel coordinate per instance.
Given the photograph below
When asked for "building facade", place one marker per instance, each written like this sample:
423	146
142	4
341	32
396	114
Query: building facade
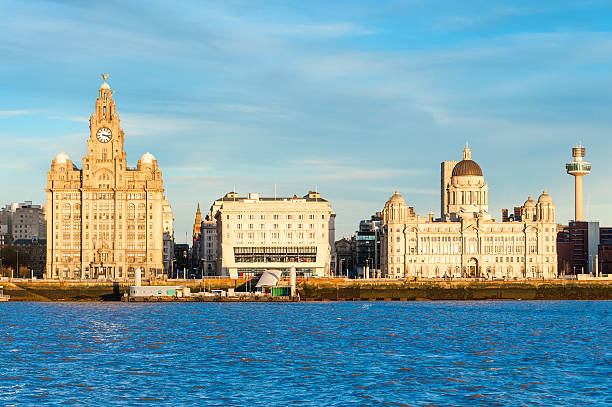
584	248
467	242
168	228
104	220
346	257
195	239
367	250
208	245
23	221
605	251
256	234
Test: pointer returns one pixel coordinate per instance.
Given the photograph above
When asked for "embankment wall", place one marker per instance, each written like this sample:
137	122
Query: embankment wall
332	290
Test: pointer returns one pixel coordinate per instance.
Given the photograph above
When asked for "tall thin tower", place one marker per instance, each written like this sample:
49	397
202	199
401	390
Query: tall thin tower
578	169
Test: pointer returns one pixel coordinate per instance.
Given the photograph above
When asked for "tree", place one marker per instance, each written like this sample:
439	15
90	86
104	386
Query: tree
10	255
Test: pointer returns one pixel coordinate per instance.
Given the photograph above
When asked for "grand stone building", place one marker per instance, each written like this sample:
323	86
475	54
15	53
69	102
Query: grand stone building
255	234
466	241
105	220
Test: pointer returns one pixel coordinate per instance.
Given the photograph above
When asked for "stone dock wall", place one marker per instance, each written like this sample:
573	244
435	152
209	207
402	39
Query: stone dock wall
332	290
456	290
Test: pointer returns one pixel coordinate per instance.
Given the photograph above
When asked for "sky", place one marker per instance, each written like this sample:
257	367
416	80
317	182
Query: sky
352	98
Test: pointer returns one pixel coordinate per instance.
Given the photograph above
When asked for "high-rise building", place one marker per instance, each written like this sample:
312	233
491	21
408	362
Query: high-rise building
23	221
577	246
578	168
168	227
105	220
367	250
208	244
446	170
605	250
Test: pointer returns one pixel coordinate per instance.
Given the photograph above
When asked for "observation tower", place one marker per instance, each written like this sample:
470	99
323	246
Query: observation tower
578	169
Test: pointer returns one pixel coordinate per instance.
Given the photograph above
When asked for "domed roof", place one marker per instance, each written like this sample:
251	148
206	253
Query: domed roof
545	197
467	167
105	86
61	158
396	198
529	202
147	158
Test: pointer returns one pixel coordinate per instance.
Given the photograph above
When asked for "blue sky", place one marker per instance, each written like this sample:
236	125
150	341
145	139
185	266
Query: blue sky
354	98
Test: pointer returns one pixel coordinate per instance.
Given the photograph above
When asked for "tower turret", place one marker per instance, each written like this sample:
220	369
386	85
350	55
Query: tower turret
578	168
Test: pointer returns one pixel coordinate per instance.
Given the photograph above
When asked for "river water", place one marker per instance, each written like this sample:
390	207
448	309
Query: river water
546	353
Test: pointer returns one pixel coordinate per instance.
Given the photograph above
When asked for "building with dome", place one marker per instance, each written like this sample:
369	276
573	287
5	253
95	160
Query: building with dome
106	220
466	242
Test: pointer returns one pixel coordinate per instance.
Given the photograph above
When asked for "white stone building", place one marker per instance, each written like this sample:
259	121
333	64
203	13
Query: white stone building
256	234
466	241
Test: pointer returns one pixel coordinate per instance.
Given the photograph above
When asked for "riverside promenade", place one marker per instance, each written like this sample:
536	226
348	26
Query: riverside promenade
331	289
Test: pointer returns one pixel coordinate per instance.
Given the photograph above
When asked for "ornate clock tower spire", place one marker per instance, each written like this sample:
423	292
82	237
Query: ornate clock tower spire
105	143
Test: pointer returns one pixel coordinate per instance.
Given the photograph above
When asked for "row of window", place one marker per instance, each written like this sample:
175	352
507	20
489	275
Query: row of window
102	195
276	235
457	259
275	217
262	226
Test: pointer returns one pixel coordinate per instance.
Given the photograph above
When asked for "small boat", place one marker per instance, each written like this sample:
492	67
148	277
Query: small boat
2	296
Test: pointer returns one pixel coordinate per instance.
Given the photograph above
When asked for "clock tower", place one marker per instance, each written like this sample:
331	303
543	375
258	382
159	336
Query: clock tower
105	221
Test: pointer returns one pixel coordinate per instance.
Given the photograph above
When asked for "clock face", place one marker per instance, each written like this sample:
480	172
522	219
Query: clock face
104	135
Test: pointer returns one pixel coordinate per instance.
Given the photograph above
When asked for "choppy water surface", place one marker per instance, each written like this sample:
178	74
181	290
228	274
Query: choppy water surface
419	353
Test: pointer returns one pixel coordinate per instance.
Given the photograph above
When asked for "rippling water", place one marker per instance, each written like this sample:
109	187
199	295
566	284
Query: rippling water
363	353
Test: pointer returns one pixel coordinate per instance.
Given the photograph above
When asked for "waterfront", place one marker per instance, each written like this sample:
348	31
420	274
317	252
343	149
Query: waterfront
349	353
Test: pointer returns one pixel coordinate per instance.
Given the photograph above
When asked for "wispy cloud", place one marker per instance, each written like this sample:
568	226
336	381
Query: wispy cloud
320	30
10	113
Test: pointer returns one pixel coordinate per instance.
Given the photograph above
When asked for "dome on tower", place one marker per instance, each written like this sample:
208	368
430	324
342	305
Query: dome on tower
396	198
467	167
529	203
147	158
61	158
544	197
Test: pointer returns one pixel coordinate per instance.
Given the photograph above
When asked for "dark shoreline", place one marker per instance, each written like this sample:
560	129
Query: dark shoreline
331	290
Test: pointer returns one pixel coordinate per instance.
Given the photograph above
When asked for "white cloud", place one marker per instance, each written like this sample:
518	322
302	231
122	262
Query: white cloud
9	113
